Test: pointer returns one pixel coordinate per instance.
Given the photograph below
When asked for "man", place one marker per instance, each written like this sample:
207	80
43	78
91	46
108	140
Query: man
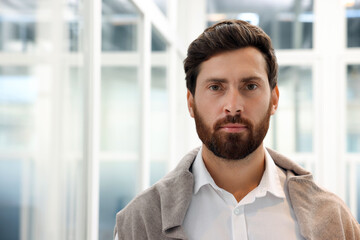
233	187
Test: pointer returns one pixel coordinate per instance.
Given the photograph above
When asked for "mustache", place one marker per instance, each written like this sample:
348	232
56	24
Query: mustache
232	119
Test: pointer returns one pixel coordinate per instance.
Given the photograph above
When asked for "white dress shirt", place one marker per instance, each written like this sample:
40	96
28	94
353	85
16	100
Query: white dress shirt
264	213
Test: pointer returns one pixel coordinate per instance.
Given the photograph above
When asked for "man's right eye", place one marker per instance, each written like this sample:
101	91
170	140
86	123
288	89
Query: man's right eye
214	87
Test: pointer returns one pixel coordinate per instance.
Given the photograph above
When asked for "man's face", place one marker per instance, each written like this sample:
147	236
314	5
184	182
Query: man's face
233	103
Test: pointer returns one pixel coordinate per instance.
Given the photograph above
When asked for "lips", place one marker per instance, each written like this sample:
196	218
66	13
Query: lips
233	127
231	123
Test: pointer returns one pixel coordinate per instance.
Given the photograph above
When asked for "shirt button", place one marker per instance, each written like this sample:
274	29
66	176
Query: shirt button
237	211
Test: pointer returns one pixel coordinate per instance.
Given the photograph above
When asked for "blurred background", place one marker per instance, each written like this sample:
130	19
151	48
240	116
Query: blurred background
93	102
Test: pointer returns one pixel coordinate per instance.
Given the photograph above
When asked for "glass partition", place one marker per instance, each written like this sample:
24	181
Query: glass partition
158	43
74	162
46	116
353	23
159	124
41	154
120	124
120	143
162	5
159	134
353	187
353	109
18	24
17	135
292	125
25	26
119	26
42	165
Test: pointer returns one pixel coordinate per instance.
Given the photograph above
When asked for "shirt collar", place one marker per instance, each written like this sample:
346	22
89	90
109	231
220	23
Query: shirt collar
202	176
270	181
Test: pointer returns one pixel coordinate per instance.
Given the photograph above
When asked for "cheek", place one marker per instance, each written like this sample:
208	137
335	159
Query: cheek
211	104
207	113
211	110
257	109
258	103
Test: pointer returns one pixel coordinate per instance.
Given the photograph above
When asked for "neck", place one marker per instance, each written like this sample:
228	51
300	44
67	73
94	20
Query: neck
239	177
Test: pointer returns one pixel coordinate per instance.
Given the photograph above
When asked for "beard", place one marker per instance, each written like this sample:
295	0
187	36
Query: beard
232	146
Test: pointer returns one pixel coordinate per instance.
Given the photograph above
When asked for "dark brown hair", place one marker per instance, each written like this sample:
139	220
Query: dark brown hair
226	36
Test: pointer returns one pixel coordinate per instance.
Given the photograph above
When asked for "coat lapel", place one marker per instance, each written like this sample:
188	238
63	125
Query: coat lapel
176	193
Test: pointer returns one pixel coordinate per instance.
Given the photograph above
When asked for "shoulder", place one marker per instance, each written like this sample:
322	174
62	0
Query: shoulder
321	214
132	220
152	208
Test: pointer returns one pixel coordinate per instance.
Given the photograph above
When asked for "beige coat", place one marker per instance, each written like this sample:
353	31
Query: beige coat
158	213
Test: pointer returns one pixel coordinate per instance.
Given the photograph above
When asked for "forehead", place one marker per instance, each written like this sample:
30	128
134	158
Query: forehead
244	62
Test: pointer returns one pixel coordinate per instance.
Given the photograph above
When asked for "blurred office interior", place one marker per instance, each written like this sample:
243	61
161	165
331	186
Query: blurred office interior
93	102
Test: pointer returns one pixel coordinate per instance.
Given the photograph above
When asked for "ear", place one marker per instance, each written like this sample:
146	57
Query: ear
190	103
275	99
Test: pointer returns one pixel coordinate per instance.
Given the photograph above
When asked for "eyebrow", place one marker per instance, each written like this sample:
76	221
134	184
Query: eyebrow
251	78
224	80
216	80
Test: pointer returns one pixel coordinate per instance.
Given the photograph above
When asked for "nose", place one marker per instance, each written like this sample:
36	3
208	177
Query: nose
233	102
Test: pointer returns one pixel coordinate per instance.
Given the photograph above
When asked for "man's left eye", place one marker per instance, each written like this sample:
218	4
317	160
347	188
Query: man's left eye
251	86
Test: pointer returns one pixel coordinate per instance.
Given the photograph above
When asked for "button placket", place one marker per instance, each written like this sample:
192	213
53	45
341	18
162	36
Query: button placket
239	223
237	211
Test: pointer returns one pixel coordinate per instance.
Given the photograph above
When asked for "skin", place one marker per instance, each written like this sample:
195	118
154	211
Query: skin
231	83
